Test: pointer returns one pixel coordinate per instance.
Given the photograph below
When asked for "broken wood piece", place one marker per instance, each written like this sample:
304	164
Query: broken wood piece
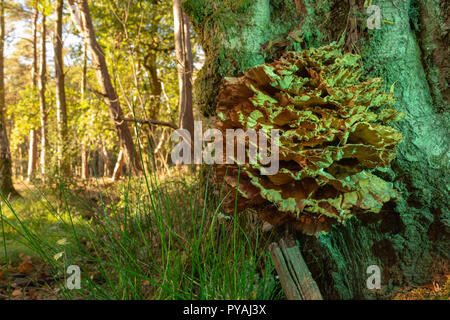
293	272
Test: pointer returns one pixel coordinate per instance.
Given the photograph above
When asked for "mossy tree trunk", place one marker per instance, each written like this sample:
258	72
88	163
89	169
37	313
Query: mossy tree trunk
409	240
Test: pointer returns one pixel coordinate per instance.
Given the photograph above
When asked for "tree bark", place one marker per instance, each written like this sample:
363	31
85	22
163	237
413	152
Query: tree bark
6	184
32	153
84	162
410	241
118	167
84	74
42	103
83	151
61	112
155	83
184	66
82	20
109	165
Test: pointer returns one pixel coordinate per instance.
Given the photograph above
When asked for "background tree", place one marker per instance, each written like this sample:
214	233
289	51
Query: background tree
138	41
60	89
32	150
82	20
408	53
6	185
42	79
184	66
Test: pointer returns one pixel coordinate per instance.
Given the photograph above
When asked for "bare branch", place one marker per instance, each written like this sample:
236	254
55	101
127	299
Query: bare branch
153	122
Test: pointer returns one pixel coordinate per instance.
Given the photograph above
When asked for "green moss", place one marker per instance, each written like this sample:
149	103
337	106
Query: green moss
233	45
431	33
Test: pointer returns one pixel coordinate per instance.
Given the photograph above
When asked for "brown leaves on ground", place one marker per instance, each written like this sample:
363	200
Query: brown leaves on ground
433	291
27	279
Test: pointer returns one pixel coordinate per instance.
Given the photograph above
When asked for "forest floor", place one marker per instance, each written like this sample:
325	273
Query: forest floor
140	239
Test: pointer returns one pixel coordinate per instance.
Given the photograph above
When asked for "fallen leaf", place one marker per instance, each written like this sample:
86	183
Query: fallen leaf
17	293
62	242
26	267
58	255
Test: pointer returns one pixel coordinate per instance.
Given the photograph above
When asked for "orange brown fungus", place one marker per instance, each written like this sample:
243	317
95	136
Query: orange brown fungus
332	133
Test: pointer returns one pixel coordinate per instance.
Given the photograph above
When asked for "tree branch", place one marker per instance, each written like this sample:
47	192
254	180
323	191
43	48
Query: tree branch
153	122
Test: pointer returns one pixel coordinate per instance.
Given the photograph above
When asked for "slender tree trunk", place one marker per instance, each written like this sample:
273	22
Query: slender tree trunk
84	162
155	83
184	67
32	153
42	103
410	242
101	163
84	74
109	165
118	167
6	184
84	152
82	20
61	112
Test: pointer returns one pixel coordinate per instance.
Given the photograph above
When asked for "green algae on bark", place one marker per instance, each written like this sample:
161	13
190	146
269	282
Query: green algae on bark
409	239
233	46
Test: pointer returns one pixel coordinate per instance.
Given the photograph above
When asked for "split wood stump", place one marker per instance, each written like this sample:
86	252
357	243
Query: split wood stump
293	272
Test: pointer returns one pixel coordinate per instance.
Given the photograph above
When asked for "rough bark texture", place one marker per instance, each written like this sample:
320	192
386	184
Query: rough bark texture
6	185
82	20
61	112
410	242
294	275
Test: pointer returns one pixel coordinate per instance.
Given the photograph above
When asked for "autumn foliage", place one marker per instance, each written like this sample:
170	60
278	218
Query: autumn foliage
333	131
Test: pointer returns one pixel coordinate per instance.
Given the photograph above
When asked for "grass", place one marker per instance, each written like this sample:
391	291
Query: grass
141	239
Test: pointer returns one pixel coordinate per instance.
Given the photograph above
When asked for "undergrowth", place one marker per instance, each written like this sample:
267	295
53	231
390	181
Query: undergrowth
141	239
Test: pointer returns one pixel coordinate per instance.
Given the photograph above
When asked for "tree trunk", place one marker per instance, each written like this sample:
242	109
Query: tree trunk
84	73
84	162
100	163
32	153
84	152
42	104
82	20
410	242
6	184
184	67
61	113
155	83
109	165
118	167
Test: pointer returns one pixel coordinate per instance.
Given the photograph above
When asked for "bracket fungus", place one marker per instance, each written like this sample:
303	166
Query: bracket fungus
332	132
